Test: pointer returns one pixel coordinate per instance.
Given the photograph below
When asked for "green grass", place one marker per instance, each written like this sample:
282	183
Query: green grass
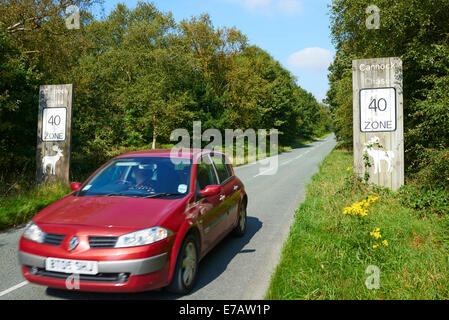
327	253
19	208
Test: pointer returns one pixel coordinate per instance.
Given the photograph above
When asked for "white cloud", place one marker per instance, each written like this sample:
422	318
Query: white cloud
286	7
315	58
289	7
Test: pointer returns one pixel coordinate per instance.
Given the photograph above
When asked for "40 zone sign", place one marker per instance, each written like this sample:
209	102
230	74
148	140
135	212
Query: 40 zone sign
378	110
54	124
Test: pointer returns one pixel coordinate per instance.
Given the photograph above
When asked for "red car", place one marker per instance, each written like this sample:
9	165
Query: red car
142	221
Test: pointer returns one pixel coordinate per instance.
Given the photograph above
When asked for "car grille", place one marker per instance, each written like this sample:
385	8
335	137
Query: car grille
99	277
53	239
102	242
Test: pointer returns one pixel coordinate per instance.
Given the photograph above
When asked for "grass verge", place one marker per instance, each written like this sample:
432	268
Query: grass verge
18	209
327	253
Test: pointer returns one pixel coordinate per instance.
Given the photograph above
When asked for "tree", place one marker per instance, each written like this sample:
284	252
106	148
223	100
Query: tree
18	92
137	62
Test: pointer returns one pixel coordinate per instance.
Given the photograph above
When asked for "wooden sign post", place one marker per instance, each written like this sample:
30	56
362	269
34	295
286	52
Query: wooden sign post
378	121
54	133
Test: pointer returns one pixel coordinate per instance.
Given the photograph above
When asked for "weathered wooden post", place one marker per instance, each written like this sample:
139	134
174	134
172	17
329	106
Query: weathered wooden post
54	133
378	121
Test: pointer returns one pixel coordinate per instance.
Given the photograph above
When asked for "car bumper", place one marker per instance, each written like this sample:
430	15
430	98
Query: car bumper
113	276
134	267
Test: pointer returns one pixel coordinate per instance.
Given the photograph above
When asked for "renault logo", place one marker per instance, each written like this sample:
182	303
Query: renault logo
73	243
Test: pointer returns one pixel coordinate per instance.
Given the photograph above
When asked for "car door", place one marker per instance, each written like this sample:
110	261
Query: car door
212	214
231	193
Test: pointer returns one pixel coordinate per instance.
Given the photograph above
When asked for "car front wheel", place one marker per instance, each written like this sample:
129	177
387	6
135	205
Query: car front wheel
240	229
186	267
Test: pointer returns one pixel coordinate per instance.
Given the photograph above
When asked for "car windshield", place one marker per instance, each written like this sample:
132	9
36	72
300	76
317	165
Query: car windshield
140	177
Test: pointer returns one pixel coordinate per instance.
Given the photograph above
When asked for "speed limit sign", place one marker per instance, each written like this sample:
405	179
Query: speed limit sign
378	110
54	124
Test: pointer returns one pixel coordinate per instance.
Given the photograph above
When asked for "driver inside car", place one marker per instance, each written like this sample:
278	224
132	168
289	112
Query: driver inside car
144	177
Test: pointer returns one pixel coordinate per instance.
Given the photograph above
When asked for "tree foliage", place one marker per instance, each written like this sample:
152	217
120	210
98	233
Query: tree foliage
138	75
18	95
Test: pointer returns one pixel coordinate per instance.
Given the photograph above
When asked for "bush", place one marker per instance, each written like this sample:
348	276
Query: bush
433	169
424	201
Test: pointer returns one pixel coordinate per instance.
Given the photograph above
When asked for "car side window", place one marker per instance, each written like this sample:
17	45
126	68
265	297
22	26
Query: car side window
227	166
222	167
205	174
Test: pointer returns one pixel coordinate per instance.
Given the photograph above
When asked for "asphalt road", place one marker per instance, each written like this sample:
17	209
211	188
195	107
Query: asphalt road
238	268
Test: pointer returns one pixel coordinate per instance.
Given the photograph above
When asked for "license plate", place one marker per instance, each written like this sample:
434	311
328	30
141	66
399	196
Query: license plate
71	266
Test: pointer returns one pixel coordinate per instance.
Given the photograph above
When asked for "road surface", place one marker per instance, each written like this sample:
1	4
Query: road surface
238	268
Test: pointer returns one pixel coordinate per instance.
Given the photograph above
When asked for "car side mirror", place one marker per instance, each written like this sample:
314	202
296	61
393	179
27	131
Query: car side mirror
75	186
211	190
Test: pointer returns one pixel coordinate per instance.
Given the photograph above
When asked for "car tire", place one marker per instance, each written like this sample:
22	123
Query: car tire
240	229
186	267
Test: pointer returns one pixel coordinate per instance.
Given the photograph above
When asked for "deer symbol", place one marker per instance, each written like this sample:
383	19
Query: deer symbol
51	160
379	155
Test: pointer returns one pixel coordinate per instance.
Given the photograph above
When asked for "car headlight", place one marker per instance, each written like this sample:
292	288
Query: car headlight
142	237
34	233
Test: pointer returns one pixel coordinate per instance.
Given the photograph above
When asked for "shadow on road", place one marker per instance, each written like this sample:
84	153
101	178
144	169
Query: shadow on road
210	268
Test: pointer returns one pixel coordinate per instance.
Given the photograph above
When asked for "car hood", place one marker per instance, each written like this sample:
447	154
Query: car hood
133	213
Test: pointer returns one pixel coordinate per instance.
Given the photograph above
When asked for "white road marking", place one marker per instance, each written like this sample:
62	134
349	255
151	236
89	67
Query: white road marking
17	286
265	171
317	144
302	155
282	164
255	162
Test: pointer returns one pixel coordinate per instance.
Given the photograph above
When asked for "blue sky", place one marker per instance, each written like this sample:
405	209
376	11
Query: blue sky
295	32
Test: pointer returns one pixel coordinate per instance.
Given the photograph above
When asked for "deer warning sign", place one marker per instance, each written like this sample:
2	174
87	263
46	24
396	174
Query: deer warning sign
54	133
378	121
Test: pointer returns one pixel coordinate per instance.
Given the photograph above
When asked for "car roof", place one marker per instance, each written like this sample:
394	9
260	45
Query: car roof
166	153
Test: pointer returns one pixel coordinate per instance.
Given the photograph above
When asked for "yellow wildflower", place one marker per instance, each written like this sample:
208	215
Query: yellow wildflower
376	234
360	208
385	243
372	199
375	246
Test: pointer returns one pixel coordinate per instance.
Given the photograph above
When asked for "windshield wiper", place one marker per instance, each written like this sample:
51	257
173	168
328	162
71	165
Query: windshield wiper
164	194
117	195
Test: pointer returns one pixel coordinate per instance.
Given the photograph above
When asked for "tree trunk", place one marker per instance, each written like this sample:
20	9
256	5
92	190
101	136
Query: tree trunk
154	140
154	133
